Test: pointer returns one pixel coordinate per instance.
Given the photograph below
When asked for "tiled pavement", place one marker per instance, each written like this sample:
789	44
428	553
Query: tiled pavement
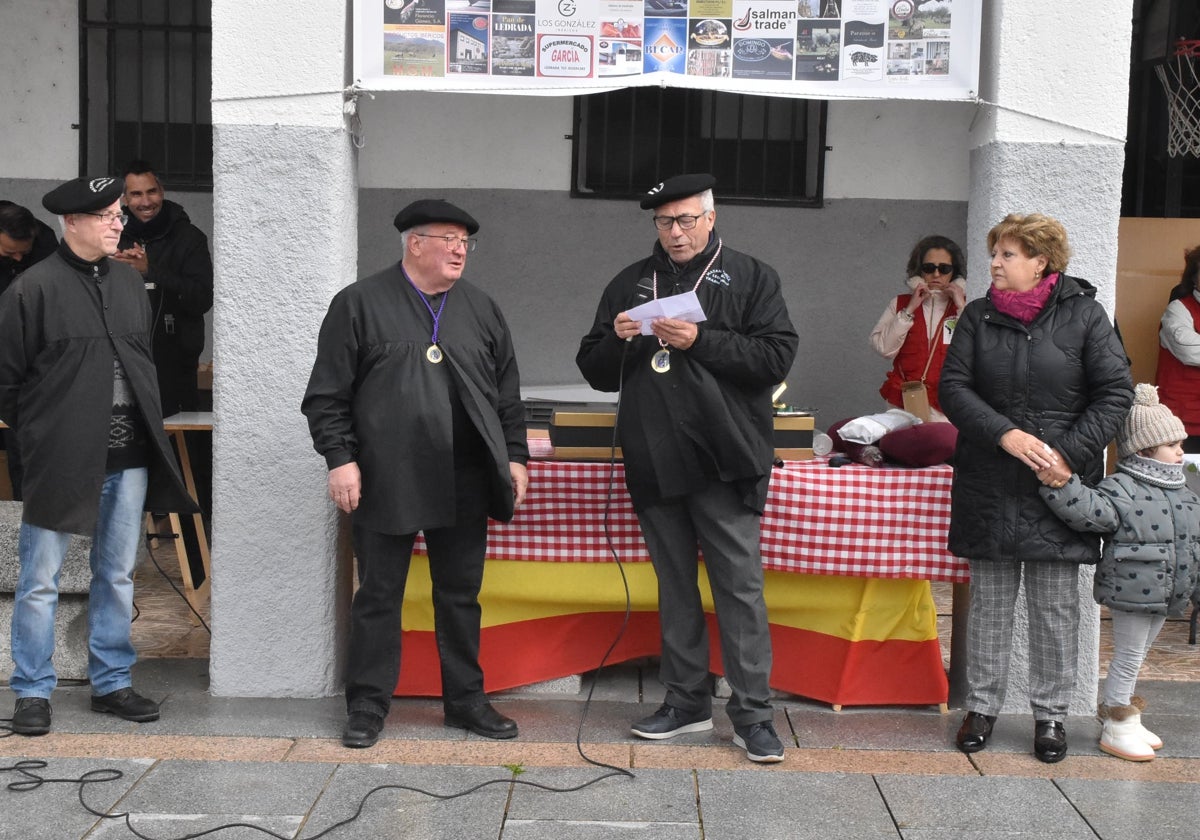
858	773
278	765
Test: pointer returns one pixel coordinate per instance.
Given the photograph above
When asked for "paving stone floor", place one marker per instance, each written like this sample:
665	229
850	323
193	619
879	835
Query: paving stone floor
277	767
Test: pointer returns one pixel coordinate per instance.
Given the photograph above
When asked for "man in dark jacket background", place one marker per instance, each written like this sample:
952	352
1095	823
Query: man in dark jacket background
77	386
24	242
172	256
696	430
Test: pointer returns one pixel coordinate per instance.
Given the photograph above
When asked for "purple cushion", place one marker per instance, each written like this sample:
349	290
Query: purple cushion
920	446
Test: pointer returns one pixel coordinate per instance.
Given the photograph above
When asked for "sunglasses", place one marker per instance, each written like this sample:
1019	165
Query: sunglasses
937	268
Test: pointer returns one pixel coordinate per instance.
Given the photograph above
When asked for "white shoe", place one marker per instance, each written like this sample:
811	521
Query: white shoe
1153	740
1122	735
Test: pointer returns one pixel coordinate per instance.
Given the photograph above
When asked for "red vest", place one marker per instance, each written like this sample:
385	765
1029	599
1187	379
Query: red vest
1179	384
910	361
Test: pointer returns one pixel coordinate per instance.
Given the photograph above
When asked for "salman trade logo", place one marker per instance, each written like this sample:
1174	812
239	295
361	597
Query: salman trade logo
769	19
664	49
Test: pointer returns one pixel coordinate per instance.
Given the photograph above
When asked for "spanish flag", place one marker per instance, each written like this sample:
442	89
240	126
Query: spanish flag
838	639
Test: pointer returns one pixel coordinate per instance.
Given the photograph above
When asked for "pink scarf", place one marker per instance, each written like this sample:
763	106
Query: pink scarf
1024	306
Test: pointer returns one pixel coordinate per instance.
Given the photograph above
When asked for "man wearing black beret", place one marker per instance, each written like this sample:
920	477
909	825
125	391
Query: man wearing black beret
696	431
77	386
415	404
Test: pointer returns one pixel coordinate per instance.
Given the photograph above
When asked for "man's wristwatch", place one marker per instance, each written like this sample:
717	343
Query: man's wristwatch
904	315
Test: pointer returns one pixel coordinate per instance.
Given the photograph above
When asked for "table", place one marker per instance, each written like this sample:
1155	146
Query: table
196	571
847	553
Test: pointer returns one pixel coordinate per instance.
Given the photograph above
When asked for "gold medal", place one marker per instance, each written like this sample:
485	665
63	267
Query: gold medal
434	353
661	362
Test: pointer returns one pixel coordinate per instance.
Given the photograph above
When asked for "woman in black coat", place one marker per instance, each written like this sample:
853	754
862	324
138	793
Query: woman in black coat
1037	383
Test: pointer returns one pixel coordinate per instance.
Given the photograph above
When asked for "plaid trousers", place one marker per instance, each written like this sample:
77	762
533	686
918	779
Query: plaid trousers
1052	604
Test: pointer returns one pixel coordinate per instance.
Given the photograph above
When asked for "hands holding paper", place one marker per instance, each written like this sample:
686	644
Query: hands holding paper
672	319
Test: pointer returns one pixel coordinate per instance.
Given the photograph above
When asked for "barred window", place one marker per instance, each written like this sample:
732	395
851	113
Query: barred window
145	88
762	149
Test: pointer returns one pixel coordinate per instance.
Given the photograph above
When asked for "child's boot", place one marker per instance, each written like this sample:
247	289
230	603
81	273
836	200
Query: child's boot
1122	734
1153	740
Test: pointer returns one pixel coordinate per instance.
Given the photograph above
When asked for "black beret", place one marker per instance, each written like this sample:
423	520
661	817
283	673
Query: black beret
83	195
673	189
428	210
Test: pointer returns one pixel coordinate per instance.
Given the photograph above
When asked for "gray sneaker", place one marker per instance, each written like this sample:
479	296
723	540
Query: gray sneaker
669	721
760	742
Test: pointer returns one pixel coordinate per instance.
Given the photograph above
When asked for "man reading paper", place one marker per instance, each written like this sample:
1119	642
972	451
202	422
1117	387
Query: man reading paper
695	426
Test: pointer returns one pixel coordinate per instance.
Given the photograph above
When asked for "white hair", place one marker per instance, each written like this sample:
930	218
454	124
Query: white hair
407	234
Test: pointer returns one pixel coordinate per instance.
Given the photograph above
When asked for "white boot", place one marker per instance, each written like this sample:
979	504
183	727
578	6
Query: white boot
1122	735
1153	740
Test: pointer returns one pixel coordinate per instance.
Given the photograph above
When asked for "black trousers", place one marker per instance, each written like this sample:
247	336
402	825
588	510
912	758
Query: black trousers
456	566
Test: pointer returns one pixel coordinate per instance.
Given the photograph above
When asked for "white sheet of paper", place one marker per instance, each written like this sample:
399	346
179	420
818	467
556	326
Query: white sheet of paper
684	307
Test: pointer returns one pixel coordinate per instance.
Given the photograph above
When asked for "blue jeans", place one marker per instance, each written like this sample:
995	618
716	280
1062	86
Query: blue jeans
110	599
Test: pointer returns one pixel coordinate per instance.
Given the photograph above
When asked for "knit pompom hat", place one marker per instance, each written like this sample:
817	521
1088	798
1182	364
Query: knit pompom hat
1149	423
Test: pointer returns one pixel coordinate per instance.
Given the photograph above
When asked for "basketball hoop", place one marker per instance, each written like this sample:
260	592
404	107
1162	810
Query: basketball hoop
1182	85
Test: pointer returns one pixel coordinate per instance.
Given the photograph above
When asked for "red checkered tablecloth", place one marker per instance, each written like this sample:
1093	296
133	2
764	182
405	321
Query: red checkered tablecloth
880	522
885	522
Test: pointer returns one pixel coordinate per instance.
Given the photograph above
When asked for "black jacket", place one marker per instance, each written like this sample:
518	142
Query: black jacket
375	399
182	273
59	330
710	416
1064	378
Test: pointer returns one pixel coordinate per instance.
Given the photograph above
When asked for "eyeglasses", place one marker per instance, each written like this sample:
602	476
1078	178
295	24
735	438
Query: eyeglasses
937	268
109	218
685	222
451	240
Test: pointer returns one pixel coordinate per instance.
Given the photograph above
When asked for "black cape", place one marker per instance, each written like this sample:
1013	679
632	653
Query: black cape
374	398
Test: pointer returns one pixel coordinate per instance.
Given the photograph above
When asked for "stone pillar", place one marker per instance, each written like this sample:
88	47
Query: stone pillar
285	240
1050	139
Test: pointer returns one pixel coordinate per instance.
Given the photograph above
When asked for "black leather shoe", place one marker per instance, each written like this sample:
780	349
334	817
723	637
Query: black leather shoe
974	733
127	704
362	730
483	720
31	716
1049	741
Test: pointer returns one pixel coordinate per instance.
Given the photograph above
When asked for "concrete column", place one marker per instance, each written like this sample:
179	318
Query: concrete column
285	220
1051	140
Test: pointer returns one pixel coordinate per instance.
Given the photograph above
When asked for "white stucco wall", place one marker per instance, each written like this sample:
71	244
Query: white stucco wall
1052	141
285	210
39	88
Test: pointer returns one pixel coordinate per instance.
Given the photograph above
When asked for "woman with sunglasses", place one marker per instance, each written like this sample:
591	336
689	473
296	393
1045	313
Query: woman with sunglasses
1037	384
914	330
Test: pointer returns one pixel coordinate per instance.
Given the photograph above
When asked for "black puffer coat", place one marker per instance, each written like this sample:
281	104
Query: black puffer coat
1064	378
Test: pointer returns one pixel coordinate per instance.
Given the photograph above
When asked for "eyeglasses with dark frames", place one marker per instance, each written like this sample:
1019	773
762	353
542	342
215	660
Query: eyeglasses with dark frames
109	218
685	222
937	268
451	240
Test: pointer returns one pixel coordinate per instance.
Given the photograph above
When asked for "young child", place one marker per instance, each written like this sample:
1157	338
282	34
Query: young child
1150	567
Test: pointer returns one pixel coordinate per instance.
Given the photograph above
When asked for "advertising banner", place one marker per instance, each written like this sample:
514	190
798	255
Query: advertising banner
816	49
